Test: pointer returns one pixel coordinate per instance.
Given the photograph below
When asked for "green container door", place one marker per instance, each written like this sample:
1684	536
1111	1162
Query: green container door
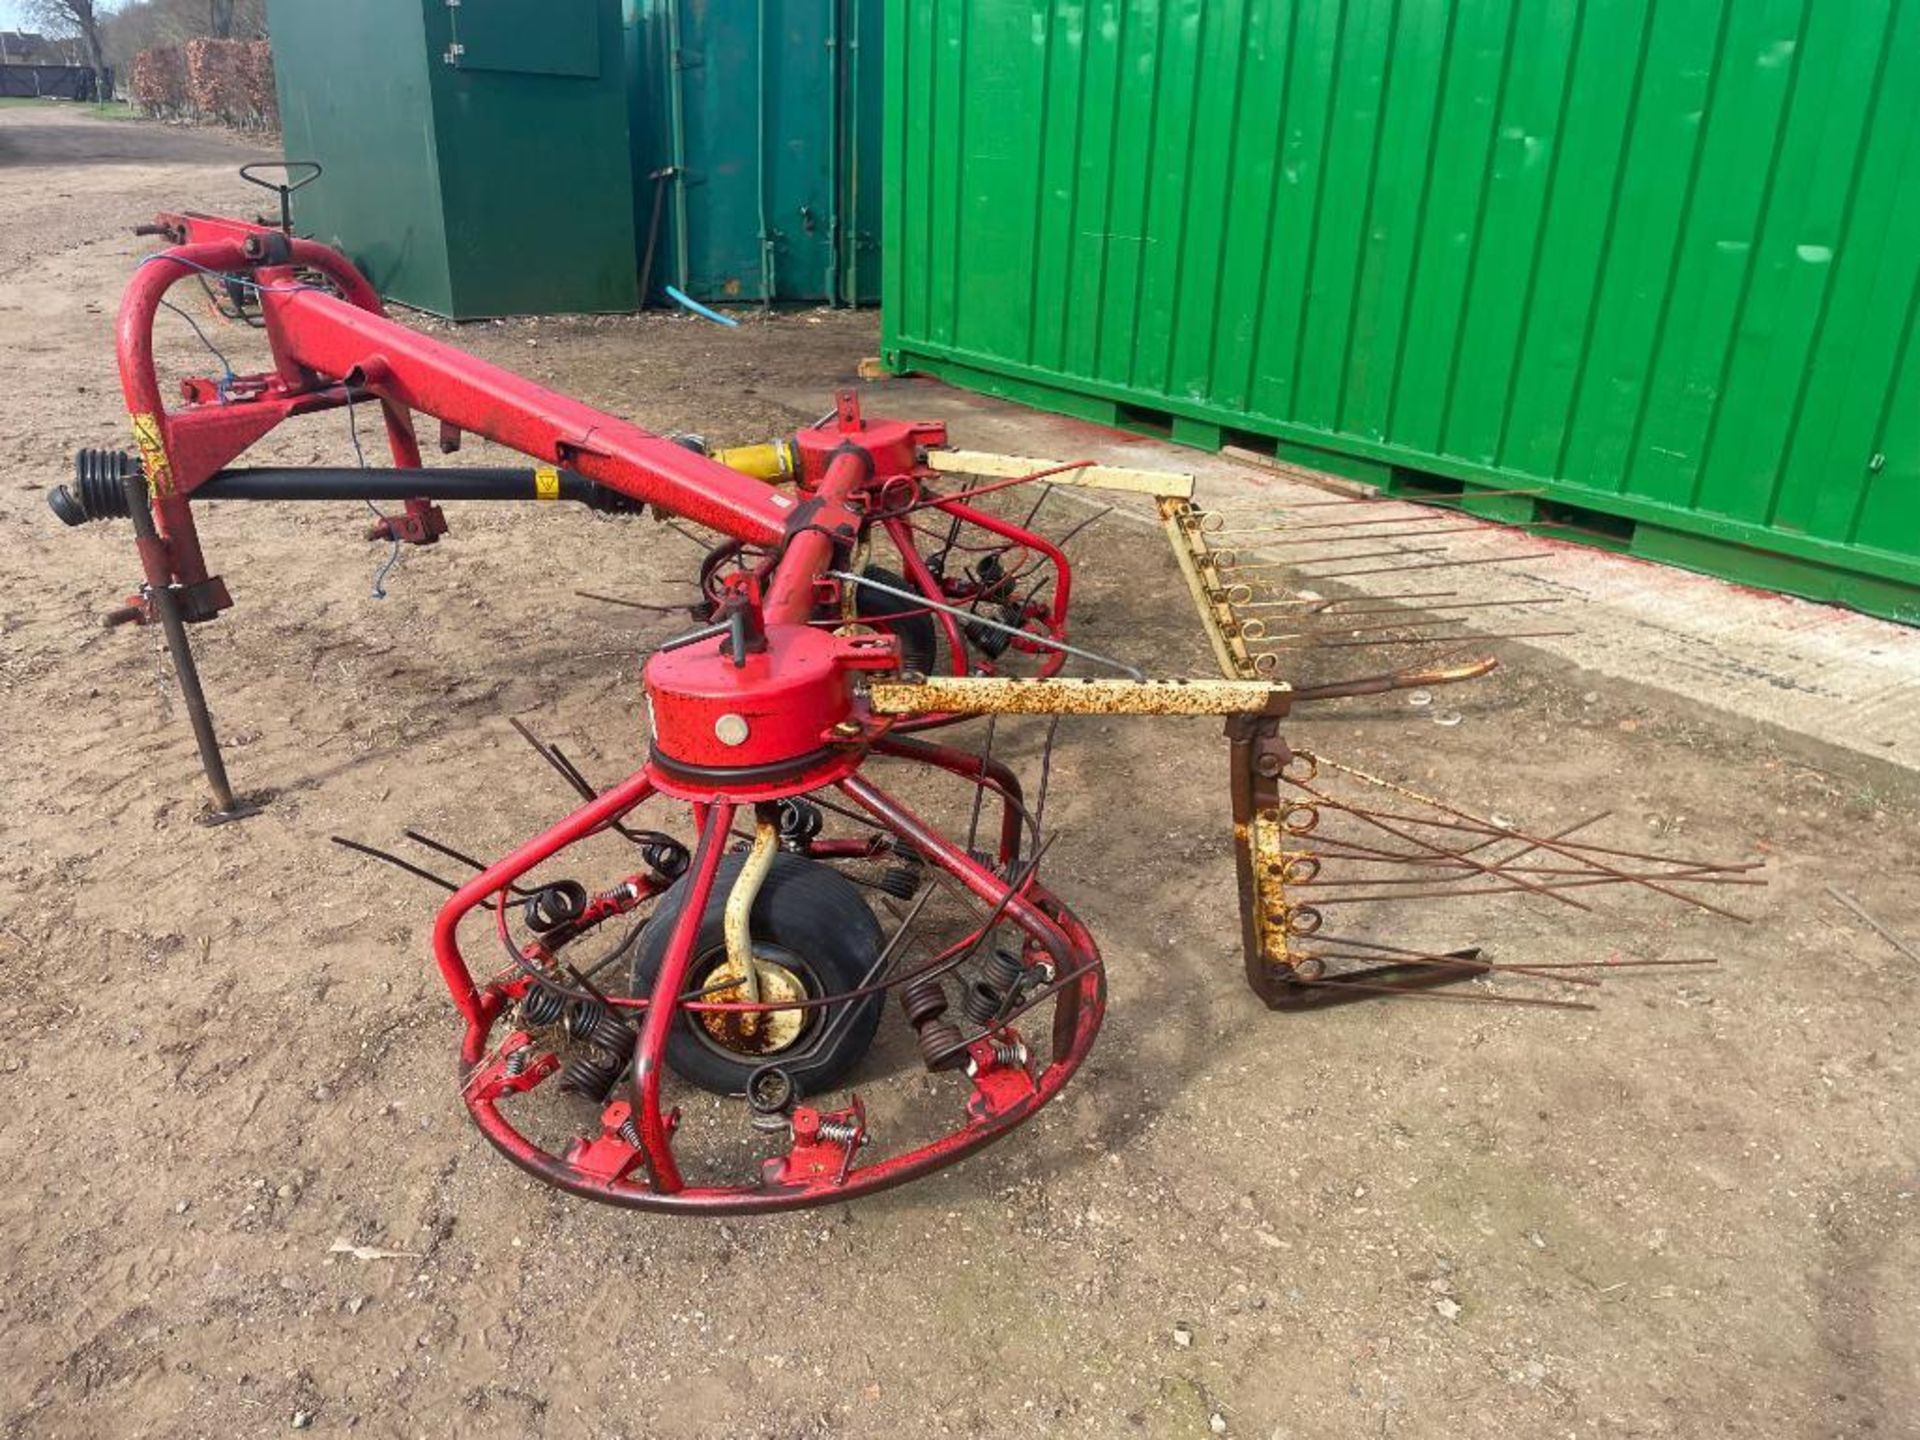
1659	260
476	153
765	116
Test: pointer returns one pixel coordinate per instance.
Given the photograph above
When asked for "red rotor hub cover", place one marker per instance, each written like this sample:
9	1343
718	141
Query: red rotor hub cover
774	716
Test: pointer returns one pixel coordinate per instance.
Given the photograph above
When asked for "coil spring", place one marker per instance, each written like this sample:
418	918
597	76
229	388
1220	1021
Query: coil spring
630	1132
993	642
1004	970
590	1022
1010	1052
552	906
982	1003
542	1006
942	1045
517	1061
902	879
592	1073
666	857
839	1132
923	1000
925	1003
1000	977
583	1016
607	1044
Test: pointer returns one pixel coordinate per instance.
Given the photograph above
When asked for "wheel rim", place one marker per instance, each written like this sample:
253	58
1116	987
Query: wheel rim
753	1038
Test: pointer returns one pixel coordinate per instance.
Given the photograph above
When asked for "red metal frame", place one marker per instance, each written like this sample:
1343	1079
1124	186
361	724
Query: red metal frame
771	711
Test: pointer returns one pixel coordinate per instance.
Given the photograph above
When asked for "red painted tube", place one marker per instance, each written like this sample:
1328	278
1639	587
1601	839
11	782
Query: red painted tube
809	554
650	1049
336	339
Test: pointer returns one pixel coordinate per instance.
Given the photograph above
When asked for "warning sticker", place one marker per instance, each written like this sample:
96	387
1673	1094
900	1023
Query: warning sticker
153	454
546	483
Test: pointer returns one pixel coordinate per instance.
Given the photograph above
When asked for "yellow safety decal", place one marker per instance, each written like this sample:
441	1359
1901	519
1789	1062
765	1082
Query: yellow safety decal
546	483
153	453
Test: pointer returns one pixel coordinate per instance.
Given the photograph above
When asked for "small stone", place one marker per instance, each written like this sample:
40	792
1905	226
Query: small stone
1183	1335
181	1207
356	1304
1447	1308
1536	1239
285	1192
1217	1423
303	1419
321	1092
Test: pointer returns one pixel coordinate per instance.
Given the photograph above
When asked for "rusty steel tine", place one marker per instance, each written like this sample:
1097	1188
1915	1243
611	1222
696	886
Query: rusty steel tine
1568	851
1368	538
1473	825
1427	845
1317	644
1583	875
1484	967
1337	629
1450	996
1280	526
1382	949
1460	605
1309	606
1436	565
1249	535
1584	882
1324	559
1320	604
1449	858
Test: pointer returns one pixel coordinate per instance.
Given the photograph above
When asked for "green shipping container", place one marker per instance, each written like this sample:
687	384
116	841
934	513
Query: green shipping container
476	151
1659	259
759	125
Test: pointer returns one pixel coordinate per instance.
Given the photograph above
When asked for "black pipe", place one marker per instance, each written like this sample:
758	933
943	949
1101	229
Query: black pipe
98	491
166	608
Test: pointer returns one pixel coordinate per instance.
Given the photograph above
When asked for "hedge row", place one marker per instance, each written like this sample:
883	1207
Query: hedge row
226	81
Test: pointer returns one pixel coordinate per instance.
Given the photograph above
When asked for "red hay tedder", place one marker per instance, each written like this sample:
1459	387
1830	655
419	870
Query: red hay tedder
755	968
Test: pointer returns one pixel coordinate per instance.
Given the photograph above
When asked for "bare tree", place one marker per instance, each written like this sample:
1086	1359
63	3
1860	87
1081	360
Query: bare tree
61	18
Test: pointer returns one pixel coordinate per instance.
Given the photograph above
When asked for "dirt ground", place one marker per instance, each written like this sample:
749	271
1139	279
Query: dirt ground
1692	1212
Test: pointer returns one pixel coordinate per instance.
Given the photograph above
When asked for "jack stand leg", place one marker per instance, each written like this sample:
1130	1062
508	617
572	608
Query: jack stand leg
166	606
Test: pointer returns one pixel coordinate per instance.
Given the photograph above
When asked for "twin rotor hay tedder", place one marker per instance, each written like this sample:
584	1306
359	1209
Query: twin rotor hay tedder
868	588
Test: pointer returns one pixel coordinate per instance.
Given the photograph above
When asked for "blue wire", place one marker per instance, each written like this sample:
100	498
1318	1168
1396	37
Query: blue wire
226	381
253	285
393	555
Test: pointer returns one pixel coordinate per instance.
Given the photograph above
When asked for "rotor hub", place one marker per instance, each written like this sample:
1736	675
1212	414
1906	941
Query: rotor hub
770	715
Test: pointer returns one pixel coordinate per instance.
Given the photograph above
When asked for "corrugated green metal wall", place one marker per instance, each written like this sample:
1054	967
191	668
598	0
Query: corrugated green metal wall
768	114
477	158
1660	258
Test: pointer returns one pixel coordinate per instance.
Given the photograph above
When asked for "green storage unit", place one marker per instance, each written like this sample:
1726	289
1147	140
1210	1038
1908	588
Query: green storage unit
1658	259
476	151
758	126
